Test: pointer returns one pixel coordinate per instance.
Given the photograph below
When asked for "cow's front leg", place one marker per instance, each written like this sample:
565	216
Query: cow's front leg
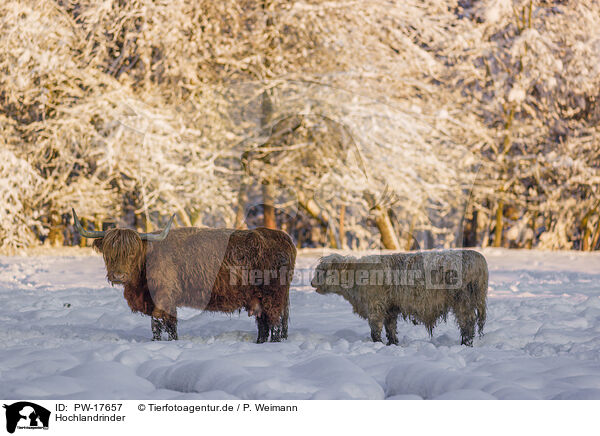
263	329
276	333
164	321
171	327
376	324
157	328
390	328
165	310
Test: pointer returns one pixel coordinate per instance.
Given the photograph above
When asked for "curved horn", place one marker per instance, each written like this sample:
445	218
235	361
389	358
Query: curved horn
82	231
153	237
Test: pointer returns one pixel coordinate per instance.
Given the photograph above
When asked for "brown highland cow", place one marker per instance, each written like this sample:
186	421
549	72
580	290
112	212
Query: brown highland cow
422	287
219	270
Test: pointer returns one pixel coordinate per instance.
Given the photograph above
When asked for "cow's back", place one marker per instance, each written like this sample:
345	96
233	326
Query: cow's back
274	248
200	264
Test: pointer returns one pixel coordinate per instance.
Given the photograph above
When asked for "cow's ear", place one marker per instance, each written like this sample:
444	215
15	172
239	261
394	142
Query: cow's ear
98	245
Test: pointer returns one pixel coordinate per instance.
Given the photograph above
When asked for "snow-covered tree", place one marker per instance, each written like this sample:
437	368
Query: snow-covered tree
369	120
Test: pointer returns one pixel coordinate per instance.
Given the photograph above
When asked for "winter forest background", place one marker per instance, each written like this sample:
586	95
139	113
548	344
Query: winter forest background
349	124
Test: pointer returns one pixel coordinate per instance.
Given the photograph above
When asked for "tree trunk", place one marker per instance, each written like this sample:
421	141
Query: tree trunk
240	214
98	223
148	222
475	226
56	238
596	236
184	218
587	232
333	243
384	224
139	222
409	235
499	224
268	206
428	240
300	240
267	188
144	226
83	241
586	244
342	230
507	145
534	218
313	210
470	229
194	217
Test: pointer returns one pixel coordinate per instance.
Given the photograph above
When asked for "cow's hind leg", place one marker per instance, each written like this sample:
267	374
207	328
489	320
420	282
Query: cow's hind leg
275	314
467	329
466	318
390	323
276	325
263	329
284	321
467	333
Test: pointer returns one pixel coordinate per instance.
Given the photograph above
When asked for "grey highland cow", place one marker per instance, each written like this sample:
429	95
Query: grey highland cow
422	287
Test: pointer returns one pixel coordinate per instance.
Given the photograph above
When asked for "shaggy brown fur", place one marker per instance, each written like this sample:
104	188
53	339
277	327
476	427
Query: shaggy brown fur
380	300
203	269
254	307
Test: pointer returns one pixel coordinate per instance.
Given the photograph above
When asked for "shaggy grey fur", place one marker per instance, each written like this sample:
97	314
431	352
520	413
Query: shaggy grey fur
422	287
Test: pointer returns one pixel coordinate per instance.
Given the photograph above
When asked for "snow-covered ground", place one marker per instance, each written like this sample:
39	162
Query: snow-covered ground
67	334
